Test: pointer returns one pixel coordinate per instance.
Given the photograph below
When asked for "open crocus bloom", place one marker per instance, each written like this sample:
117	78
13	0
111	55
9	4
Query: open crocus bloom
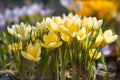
109	37
50	24
94	55
51	40
70	25
91	23
21	31
33	52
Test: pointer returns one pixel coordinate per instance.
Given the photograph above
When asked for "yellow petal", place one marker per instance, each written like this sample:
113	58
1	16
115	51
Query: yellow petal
68	23
52	44
58	20
65	38
45	45
30	50
51	37
63	29
38	53
38	49
94	54
58	44
45	38
97	24
54	26
37	59
27	56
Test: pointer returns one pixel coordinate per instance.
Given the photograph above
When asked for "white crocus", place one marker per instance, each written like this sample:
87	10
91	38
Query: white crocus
91	23
109	37
21	31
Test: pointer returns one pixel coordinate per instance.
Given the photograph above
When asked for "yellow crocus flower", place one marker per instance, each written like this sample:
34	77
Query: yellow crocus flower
70	27
66	38
41	27
94	55
58	20
51	40
81	35
91	23
109	37
50	24
99	40
21	31
32	52
76	19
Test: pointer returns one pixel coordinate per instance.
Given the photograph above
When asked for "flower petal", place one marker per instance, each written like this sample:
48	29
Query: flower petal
27	56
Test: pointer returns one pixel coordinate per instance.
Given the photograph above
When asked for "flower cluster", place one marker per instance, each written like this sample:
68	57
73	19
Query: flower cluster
64	29
69	39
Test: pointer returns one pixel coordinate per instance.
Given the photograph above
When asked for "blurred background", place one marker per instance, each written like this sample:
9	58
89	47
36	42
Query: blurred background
29	11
